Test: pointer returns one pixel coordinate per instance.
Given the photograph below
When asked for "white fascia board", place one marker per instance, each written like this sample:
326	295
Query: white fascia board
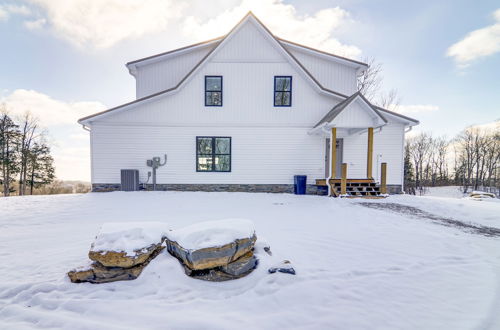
330	57
132	67
399	119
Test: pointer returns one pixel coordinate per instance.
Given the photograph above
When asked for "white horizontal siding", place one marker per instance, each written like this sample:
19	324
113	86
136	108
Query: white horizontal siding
259	155
332	75
166	73
387	147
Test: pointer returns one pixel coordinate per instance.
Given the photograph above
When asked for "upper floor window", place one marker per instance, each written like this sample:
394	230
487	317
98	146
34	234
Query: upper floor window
282	91
213	154
213	91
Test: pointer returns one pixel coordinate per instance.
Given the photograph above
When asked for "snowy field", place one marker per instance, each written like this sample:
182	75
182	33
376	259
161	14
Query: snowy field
357	267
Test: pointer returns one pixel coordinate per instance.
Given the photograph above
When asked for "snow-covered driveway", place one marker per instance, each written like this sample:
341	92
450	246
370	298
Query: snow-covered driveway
357	267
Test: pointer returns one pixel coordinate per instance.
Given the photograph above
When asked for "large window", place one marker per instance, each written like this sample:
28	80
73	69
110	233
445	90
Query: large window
213	91
282	91
213	154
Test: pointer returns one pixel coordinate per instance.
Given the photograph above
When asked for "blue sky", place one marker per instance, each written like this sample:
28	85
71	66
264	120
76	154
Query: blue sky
63	60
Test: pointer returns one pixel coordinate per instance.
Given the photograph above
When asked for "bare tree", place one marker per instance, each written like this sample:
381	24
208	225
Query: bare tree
29	131
419	148
370	80
389	100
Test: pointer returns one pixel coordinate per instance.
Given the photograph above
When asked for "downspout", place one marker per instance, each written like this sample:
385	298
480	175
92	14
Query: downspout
330	162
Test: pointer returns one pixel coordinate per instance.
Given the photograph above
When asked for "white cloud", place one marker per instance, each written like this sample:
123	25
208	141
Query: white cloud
70	144
478	43
494	125
104	23
35	24
4	15
18	10
414	108
7	9
51	112
284	21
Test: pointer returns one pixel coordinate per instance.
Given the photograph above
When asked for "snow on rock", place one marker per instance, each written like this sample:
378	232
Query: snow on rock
126	245
212	233
128	237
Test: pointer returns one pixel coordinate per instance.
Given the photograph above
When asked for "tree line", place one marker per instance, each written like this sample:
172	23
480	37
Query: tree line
25	159
470	160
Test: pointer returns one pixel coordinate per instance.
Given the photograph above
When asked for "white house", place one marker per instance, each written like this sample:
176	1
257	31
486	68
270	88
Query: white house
247	112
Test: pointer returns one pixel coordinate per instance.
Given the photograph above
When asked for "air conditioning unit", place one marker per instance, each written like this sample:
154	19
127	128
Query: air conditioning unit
130	180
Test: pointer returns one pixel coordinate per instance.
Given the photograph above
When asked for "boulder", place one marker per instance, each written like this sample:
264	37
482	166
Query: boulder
234	270
127	244
97	273
212	244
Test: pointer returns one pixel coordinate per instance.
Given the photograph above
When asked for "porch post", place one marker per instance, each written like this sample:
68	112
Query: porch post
383	179
343	180
369	158
333	148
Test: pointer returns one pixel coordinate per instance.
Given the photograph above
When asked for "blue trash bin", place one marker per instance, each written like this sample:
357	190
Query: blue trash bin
299	187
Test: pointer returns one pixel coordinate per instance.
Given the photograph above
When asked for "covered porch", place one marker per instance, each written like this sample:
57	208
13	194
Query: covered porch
347	121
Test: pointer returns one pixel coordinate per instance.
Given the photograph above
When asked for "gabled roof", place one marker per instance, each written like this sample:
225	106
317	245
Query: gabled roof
336	110
217	44
130	65
292	58
337	57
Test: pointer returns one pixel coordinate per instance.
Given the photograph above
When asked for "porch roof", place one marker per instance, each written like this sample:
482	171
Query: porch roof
339	108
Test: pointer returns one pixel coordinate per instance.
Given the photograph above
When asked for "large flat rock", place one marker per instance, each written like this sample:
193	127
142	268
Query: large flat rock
97	273
212	244
127	244
234	270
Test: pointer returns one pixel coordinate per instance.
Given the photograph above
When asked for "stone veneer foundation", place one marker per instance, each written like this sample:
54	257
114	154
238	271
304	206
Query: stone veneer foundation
267	188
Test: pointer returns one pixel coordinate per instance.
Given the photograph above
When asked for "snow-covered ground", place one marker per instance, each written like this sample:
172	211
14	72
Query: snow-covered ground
357	267
446	191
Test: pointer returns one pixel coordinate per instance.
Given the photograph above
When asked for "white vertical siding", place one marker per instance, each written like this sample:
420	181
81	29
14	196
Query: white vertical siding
248	99
356	115
164	74
332	75
249	44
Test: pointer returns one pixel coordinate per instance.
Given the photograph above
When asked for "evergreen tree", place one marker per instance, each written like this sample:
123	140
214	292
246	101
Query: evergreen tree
409	175
40	166
9	162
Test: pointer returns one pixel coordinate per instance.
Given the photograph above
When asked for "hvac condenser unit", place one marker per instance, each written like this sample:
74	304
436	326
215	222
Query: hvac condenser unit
130	180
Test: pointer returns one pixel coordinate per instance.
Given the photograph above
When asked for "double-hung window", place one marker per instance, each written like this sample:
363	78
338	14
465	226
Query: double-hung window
282	91
213	154
213	91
